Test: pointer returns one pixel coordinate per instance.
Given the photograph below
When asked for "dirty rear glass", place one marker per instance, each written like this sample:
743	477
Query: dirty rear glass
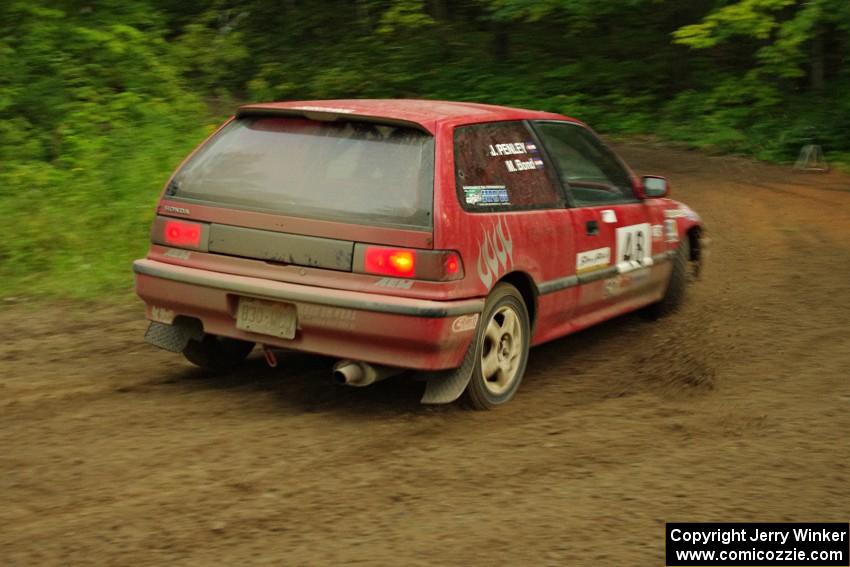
499	167
349	171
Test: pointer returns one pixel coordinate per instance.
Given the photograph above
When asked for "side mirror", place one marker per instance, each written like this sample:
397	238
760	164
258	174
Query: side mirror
653	187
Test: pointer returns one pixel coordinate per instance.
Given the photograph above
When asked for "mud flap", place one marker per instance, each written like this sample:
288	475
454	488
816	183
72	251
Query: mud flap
174	337
447	386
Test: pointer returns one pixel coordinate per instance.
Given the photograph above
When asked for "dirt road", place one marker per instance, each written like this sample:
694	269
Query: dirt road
736	409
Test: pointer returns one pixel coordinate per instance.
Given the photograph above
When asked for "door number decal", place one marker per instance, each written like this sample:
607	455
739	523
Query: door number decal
634	247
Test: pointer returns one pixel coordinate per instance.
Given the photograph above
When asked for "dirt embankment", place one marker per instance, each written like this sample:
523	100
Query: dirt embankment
736	409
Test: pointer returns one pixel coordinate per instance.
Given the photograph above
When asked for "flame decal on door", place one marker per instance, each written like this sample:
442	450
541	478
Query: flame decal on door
495	252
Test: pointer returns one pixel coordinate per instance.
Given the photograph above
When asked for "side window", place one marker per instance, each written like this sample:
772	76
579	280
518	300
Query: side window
592	171
499	167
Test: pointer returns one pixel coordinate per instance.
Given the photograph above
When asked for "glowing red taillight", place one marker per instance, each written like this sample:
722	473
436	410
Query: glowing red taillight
390	262
431	265
452	264
182	233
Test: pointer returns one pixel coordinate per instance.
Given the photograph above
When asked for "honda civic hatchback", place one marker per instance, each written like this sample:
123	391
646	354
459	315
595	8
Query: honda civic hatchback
441	237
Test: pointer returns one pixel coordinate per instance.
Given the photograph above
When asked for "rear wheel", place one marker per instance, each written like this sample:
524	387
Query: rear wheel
217	354
501	344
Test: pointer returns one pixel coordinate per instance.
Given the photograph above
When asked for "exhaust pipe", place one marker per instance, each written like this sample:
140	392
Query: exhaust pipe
361	374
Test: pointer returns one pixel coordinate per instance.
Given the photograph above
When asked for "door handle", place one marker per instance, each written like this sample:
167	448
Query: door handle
592	228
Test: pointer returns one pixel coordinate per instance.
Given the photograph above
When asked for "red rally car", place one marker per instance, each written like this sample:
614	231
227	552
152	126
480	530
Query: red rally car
443	237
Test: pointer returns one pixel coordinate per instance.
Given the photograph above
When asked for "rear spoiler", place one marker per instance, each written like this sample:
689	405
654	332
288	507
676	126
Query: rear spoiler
326	114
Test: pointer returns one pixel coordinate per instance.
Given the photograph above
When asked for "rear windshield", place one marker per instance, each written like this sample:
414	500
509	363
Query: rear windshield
350	171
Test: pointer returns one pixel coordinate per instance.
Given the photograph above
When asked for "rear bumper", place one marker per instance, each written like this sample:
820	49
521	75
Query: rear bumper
381	329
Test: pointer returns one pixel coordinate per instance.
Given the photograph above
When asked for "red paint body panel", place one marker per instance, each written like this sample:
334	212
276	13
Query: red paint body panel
379	338
540	245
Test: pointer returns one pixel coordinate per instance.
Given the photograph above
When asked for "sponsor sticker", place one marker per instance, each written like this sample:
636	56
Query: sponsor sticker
621	283
634	247
609	216
672	230
326	316
178	253
486	195
613	287
465	323
394	283
657	232
593	260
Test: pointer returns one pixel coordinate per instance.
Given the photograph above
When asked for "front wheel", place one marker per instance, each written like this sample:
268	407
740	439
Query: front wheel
674	296
501	344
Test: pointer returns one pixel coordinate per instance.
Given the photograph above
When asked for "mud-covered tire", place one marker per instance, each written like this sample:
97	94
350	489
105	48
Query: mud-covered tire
502	338
217	354
674	296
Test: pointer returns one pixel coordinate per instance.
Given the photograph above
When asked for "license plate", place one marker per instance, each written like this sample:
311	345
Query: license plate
266	317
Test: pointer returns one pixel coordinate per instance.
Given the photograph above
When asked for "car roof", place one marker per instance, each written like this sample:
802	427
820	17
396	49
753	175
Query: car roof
426	113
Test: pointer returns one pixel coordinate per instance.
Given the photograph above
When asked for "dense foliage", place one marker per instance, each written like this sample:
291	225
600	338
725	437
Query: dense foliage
99	100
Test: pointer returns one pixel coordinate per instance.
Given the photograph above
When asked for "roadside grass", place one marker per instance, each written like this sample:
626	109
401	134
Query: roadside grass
73	229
